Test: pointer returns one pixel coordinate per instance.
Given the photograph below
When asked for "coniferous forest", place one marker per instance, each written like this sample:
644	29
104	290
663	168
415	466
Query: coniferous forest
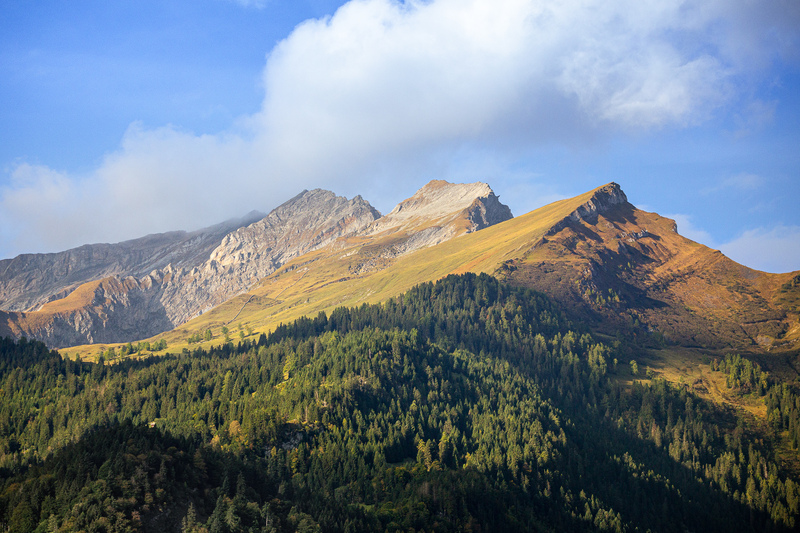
462	405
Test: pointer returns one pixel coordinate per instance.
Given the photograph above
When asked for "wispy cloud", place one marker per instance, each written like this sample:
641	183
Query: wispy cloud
755	116
775	249
687	228
741	182
258	4
389	89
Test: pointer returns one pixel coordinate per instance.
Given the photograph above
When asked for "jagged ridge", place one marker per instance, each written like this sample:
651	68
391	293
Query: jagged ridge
198	279
439	211
617	267
30	280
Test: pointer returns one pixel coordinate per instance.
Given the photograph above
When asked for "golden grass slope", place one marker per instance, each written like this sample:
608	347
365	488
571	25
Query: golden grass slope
84	297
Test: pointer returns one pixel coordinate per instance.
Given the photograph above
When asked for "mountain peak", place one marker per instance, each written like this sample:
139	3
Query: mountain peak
440	201
437	212
598	202
602	200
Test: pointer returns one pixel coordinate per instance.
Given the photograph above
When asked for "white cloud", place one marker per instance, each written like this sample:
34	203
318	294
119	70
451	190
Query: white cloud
690	231
38	207
769	249
742	182
775	249
157	177
382	77
388	89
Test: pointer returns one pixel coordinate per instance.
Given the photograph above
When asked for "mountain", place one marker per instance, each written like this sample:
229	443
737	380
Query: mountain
138	289
627	272
571	369
438	212
30	280
628	266
308	221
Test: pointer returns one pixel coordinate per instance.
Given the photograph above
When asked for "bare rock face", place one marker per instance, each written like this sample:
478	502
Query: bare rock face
138	289
306	222
440	211
101	311
30	280
602	201
309	221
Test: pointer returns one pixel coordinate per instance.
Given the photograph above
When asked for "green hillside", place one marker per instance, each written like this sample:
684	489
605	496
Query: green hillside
464	405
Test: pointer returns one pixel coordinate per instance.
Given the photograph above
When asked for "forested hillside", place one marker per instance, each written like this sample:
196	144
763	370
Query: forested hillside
464	405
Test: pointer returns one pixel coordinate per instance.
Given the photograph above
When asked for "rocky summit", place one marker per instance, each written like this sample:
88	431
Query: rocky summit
438	212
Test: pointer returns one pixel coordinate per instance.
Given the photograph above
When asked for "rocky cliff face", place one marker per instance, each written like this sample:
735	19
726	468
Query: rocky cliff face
305	223
138	289
603	200
440	211
30	280
103	311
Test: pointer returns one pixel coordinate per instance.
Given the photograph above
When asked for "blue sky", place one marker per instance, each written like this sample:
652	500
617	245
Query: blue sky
130	117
